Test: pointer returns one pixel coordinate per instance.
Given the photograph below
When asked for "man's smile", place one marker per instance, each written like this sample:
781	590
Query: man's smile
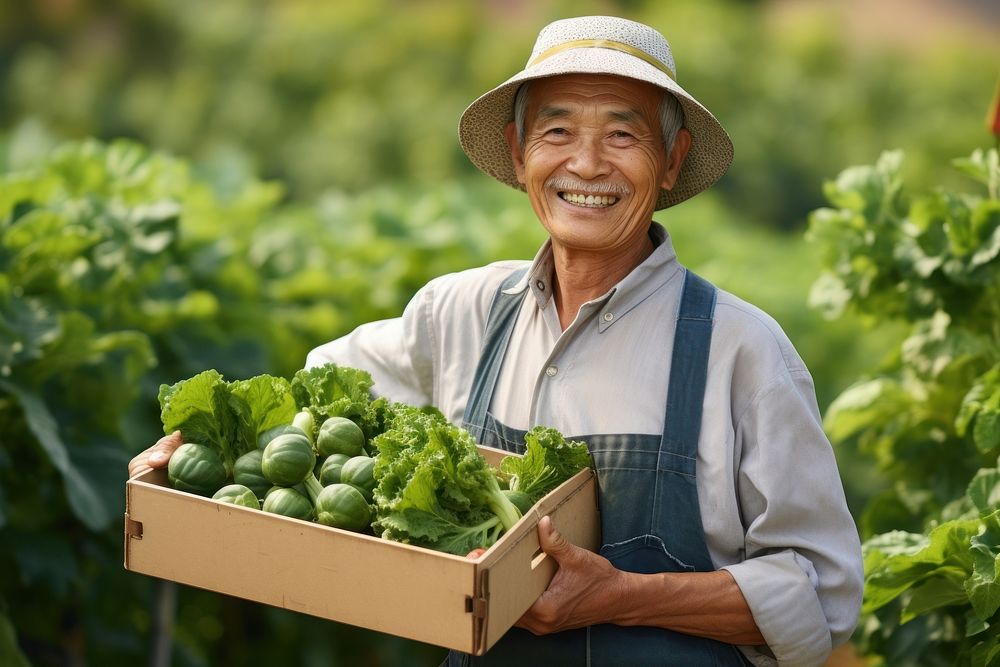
588	201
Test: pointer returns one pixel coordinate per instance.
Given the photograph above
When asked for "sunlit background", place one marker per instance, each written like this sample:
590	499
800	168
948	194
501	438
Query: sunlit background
259	176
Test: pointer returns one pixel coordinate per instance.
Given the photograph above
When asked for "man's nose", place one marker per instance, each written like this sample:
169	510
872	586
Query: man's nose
588	160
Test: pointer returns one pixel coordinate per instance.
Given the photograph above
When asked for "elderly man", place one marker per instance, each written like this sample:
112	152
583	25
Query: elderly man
727	539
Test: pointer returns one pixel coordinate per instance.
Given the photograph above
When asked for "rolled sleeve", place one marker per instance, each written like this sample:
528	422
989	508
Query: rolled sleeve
786	608
802	577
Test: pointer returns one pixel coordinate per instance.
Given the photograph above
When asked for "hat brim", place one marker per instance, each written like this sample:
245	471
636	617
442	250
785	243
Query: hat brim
481	128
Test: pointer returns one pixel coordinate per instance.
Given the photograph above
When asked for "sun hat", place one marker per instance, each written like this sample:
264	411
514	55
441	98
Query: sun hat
598	45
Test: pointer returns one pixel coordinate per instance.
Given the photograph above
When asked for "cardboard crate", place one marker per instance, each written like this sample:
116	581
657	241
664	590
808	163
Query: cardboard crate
424	595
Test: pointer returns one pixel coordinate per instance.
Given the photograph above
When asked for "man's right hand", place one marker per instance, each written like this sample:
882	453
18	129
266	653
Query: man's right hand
156	456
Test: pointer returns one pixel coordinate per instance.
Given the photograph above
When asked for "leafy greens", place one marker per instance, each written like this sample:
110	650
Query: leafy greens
340	391
549	460
435	489
226	416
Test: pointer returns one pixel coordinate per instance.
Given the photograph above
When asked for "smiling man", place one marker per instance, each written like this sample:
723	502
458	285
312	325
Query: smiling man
726	535
591	155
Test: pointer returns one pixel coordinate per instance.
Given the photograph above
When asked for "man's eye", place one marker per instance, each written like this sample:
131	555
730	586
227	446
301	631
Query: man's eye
559	131
621	134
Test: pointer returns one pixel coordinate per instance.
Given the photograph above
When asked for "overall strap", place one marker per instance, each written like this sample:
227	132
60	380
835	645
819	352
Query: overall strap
688	373
499	325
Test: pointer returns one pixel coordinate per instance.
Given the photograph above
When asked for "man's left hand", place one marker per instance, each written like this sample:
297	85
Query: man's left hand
585	589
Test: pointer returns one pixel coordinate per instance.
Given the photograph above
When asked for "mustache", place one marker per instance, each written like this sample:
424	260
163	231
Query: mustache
562	183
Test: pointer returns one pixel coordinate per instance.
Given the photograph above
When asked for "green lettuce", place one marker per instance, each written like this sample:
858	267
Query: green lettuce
340	391
226	416
435	489
259	404
548	461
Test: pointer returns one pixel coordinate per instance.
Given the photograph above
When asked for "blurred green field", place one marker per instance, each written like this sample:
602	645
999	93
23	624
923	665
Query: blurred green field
227	184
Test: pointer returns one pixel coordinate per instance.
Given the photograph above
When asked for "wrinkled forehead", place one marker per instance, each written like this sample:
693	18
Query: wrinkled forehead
615	96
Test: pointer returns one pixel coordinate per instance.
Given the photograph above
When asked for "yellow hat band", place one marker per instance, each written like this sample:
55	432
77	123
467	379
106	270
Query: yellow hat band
603	44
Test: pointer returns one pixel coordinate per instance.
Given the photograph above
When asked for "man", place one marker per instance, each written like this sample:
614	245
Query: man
726	535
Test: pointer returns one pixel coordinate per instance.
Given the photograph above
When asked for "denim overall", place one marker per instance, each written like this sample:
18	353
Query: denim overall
648	498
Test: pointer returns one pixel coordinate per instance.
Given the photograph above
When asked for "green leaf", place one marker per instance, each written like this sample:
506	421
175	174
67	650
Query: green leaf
935	346
333	391
434	487
84	500
829	295
548	461
28	326
867	405
199	408
984	490
986	432
938	592
260	403
10	652
104	463
985	221
973	624
982	586
983	166
981	408
45	561
985	654
896	562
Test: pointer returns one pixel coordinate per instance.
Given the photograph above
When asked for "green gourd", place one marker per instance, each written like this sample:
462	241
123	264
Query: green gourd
288	502
247	471
343	506
358	471
265	438
288	460
237	494
339	435
196	469
329	473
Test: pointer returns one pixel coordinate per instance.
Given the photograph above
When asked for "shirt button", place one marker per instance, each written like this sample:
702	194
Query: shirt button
551	371
608	317
540	285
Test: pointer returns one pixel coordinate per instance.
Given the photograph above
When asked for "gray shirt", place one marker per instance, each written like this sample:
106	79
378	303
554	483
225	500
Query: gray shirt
772	502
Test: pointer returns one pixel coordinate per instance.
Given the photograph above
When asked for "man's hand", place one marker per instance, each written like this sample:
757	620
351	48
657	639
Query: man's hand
156	456
585	589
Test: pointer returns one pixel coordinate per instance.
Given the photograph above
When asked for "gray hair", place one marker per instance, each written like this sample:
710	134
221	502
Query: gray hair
671	116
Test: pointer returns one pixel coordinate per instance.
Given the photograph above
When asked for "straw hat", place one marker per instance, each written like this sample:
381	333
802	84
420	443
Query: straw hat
598	45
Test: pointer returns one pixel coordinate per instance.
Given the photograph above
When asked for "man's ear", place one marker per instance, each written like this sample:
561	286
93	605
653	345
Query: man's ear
679	151
516	154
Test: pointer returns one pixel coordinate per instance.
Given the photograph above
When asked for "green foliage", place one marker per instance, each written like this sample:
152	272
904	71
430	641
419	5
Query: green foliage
360	93
434	488
549	460
122	271
929	416
246	284
335	391
227	417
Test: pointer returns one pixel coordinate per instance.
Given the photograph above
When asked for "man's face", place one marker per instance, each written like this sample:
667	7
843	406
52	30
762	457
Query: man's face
593	160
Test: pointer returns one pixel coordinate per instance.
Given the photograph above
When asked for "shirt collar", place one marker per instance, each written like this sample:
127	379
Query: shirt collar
654	272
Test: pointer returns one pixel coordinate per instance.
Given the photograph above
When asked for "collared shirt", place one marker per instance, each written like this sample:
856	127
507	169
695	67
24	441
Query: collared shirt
771	499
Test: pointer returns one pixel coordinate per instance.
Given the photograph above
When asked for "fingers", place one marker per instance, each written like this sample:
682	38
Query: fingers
157	456
476	553
160	453
551	540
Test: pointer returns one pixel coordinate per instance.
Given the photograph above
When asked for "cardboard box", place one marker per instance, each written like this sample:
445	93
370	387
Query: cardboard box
424	595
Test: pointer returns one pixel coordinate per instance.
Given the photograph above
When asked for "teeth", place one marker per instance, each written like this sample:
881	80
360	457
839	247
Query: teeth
591	201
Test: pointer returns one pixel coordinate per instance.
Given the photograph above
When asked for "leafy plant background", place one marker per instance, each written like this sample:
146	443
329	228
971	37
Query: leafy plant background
192	185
